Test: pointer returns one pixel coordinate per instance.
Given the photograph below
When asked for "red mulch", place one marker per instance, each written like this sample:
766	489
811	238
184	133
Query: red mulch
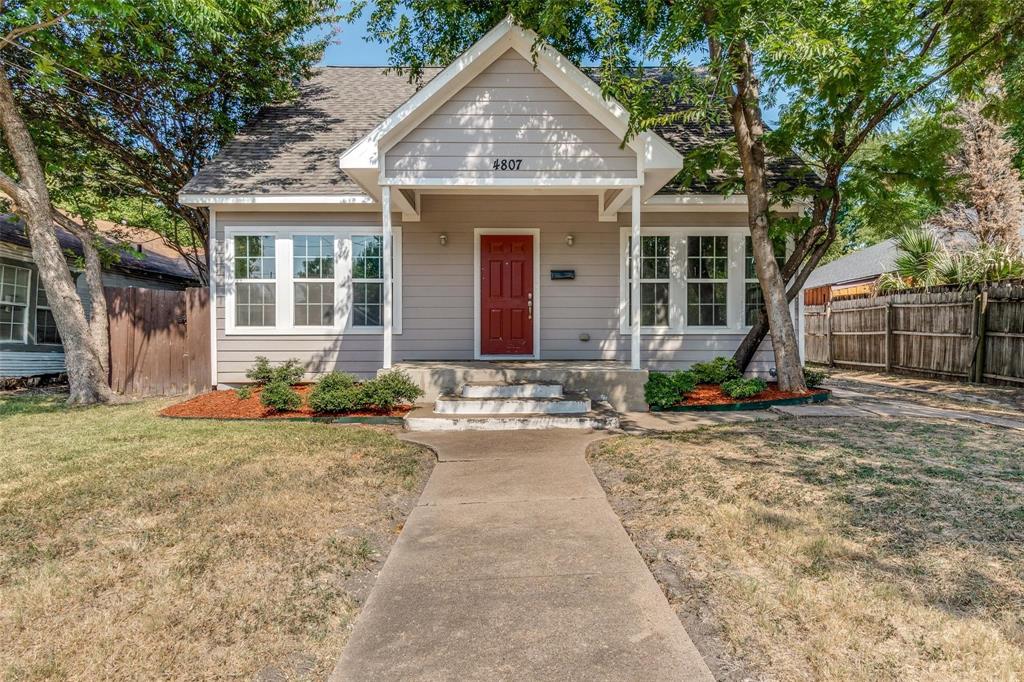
227	405
712	394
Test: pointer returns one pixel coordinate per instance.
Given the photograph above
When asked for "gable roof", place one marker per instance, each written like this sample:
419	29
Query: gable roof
149	264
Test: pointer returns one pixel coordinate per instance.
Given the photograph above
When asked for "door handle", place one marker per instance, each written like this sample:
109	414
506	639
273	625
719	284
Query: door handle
529	306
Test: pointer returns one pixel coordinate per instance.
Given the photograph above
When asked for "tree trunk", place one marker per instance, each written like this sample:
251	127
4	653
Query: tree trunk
99	324
85	363
749	132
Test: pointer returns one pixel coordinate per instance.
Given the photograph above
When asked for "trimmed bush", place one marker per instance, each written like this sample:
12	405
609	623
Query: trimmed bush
718	371
244	392
336	392
665	390
280	397
262	373
814	377
744	388
389	390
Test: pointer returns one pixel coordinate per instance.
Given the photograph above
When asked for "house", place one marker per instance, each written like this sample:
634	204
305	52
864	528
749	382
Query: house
29	342
485	218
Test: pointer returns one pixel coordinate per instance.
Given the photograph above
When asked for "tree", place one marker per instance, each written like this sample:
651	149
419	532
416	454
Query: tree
158	98
924	260
992	211
846	68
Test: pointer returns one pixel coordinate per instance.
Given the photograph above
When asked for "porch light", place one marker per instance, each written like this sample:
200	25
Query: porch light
443	238
569	239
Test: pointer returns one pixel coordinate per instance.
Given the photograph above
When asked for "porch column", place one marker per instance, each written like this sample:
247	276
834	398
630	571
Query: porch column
385	221
634	283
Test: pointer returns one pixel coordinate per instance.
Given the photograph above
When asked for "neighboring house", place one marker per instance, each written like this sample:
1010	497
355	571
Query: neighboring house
854	274
29	342
499	200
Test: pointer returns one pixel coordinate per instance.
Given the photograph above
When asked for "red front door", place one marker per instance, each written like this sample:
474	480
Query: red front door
506	294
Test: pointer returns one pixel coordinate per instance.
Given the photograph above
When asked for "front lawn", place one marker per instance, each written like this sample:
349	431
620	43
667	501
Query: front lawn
812	550
134	546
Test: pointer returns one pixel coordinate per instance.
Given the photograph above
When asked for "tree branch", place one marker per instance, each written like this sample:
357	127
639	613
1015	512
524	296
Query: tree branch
16	33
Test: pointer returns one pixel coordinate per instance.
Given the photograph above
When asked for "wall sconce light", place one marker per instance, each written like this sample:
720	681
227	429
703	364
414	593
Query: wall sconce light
569	240
443	239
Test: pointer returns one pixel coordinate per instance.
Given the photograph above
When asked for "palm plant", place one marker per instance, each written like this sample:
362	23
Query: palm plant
924	261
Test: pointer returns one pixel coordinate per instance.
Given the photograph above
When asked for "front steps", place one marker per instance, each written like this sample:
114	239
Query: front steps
499	406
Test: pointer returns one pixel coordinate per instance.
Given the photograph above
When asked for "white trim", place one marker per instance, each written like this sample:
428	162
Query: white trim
284	279
509	183
269	199
477	233
634	283
211	270
386	266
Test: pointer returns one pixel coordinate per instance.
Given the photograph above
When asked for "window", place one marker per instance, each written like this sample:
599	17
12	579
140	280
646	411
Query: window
753	301
46	325
655	266
367	281
313	277
707	286
255	286
14	284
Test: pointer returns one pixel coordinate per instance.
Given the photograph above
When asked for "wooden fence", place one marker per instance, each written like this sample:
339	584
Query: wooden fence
969	335
159	341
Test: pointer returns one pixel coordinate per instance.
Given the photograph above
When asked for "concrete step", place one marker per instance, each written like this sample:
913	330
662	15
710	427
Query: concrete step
424	418
500	389
572	403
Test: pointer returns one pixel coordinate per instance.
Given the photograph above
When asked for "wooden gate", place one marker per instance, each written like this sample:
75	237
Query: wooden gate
159	341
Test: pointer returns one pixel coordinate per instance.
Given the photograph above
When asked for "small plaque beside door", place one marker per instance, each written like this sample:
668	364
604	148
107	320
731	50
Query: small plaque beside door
563	274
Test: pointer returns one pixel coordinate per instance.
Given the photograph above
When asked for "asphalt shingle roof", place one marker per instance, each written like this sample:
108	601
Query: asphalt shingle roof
293	148
869	262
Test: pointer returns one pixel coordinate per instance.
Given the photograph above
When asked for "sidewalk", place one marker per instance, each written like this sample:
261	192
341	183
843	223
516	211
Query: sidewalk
514	566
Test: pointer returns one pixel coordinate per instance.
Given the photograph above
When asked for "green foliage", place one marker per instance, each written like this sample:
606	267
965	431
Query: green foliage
717	371
244	392
666	389
280	397
390	389
924	261
814	377
290	372
744	388
336	392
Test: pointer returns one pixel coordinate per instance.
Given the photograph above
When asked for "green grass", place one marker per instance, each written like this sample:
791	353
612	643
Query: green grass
860	550
143	547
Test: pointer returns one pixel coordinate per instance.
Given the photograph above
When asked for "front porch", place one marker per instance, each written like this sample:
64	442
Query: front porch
604	380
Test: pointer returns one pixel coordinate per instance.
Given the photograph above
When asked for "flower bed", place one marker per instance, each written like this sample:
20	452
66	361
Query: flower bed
228	405
711	397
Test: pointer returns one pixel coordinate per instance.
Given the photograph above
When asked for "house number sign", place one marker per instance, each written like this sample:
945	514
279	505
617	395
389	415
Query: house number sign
506	164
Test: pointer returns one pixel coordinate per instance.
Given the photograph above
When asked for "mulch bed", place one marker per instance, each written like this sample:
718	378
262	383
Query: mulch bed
712	394
227	405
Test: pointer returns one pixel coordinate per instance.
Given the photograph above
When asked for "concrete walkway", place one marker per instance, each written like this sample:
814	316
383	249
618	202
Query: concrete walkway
514	566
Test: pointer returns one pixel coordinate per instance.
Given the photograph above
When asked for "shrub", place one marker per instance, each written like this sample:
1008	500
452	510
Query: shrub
665	390
336	392
814	377
389	390
279	396
244	392
718	371
744	388
262	373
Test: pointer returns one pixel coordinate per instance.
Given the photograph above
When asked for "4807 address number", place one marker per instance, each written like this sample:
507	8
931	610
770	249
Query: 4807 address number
506	164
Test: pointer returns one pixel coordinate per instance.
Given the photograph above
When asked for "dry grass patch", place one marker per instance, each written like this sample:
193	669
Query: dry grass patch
138	547
863	550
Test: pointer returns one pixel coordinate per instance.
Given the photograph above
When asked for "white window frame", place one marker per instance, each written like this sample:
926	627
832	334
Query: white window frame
336	245
285	279
677	286
35	322
755	280
27	305
730	249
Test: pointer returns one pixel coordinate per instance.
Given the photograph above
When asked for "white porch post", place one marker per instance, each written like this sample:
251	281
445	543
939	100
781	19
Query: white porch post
385	206
634	284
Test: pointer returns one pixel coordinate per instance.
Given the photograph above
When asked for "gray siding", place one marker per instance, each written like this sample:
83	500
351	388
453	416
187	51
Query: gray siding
510	111
437	288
